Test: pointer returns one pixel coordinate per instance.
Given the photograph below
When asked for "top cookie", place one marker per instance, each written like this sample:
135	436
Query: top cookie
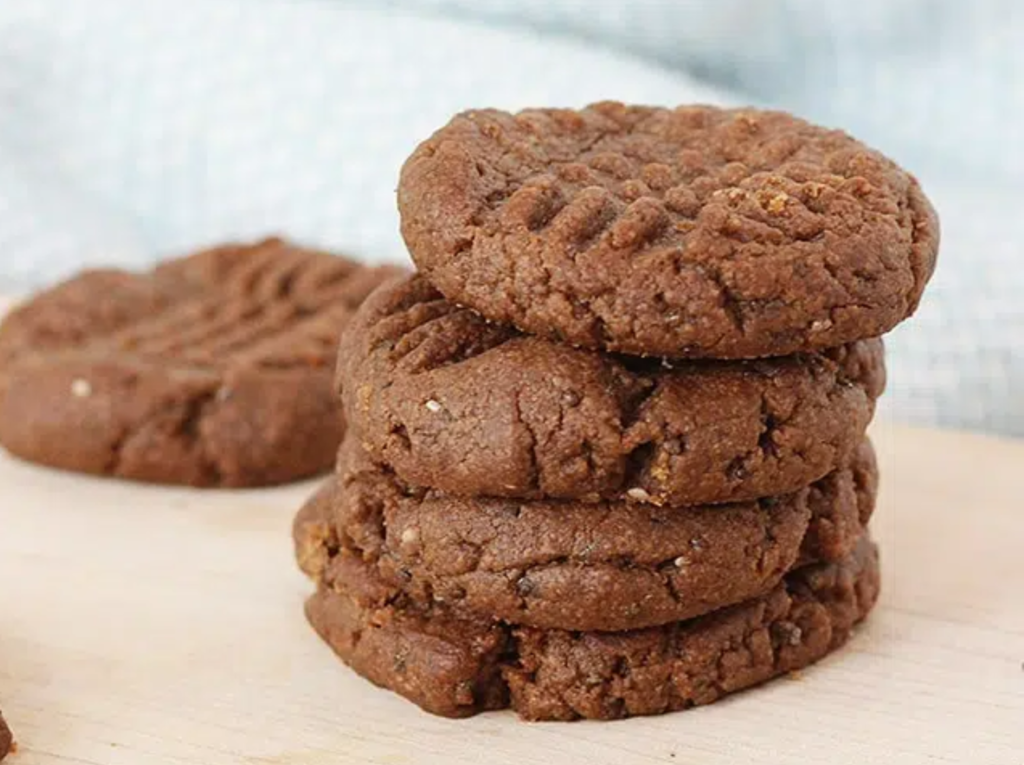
689	232
211	370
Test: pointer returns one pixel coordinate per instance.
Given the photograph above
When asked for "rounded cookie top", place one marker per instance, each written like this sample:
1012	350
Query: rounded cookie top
452	402
567	565
688	232
213	369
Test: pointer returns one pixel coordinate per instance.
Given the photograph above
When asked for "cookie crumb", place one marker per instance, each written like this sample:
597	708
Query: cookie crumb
640	495
796	674
433	406
524	586
571	398
777	203
660	473
814	189
365	396
81	388
410	535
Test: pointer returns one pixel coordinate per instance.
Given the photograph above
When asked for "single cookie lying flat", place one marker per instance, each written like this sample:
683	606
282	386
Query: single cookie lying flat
211	370
690	232
452	402
457	668
569	565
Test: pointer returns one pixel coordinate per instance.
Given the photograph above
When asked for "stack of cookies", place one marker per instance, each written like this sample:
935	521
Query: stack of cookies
607	450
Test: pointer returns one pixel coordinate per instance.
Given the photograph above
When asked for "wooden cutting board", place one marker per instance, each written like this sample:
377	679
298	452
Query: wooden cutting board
143	625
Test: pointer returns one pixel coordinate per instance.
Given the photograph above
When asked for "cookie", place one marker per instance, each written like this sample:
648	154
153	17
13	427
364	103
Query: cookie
211	370
6	738
688	232
447	666
450	401
456	668
570	565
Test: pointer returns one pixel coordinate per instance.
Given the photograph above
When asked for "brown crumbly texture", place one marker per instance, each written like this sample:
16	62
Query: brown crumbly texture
211	370
457	668
450	401
835	518
690	232
570	565
6	738
416	657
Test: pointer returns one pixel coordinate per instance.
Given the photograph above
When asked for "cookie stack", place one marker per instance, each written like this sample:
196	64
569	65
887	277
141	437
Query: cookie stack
607	450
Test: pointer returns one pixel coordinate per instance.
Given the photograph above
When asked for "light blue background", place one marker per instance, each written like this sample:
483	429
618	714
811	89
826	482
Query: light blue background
132	129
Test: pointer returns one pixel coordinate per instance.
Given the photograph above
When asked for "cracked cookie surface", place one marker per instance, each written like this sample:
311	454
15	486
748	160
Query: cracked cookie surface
690	232
455	667
211	370
570	565
450	401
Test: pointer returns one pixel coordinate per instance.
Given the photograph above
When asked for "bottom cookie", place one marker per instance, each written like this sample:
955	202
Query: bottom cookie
458	668
6	738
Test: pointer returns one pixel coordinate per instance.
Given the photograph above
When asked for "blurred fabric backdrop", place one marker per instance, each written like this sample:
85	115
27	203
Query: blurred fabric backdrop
131	130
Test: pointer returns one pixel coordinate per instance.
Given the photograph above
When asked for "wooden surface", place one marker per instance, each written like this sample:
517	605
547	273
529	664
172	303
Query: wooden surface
144	625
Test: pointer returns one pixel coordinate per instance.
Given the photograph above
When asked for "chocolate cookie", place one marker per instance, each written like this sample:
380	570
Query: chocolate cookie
6	738
570	565
457	668
452	402
688	232
211	370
